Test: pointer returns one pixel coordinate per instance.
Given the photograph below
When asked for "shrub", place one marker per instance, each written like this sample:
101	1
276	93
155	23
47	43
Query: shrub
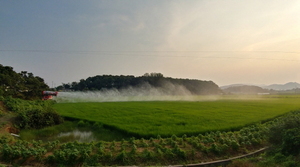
285	133
33	114
37	119
291	142
81	123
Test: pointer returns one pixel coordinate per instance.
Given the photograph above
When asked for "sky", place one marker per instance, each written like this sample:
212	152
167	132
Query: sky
224	41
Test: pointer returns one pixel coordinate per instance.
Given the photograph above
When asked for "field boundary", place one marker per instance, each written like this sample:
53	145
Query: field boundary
217	163
223	162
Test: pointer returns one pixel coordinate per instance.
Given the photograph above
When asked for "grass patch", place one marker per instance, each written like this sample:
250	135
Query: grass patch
148	119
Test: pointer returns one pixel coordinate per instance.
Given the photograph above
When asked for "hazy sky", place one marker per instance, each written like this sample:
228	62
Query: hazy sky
226	41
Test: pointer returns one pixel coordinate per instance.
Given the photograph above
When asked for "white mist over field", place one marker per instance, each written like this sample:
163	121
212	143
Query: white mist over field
169	92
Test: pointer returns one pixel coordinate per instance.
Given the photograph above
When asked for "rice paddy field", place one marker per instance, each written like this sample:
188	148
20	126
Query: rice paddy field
166	118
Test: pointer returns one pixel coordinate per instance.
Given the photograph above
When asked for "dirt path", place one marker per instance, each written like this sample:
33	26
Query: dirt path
5	120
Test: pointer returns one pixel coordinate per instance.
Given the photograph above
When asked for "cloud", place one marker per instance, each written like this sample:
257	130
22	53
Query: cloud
142	32
230	25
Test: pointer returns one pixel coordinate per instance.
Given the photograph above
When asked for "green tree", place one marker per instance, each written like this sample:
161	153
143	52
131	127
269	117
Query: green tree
20	85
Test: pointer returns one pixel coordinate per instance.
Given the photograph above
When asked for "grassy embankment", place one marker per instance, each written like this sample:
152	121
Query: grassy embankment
148	119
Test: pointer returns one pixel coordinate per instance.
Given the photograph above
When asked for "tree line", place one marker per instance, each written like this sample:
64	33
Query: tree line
22	85
156	80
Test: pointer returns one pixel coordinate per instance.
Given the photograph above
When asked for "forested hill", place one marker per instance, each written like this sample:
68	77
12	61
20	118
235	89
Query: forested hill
20	85
153	80
245	89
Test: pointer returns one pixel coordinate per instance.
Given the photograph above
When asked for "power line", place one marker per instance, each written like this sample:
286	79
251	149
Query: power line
173	54
200	51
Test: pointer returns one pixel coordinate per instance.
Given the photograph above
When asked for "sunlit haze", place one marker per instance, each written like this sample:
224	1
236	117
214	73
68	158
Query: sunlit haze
225	41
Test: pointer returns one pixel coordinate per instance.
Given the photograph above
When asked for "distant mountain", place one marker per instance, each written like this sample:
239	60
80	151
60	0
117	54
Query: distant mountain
276	87
233	85
287	86
244	89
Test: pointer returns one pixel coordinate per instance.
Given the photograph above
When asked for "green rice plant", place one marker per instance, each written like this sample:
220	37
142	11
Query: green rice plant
162	117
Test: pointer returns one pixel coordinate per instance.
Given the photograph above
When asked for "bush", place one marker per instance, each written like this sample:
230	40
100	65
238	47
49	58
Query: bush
33	114
279	128
97	125
37	119
291	142
81	123
285	133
